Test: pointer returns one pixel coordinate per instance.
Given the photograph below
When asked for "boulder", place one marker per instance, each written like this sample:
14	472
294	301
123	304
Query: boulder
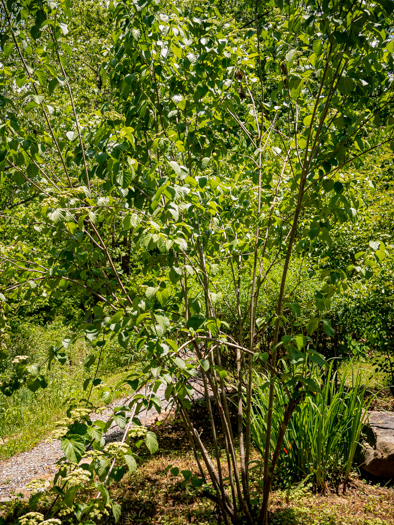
378	448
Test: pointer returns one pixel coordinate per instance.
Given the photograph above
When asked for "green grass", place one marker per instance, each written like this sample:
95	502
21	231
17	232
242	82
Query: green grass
26	418
365	369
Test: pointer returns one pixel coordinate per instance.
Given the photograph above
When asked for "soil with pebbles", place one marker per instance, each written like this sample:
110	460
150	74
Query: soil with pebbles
40	462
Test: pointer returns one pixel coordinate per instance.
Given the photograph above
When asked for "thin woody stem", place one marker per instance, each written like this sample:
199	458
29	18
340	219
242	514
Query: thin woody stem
74	112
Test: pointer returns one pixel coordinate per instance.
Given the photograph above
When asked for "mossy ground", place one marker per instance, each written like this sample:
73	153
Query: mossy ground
154	496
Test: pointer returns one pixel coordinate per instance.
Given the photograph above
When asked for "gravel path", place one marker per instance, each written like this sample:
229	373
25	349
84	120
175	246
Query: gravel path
40	462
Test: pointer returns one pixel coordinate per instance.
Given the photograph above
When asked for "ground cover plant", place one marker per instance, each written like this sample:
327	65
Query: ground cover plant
178	195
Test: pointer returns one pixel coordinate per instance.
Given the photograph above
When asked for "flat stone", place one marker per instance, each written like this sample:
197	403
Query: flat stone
378	449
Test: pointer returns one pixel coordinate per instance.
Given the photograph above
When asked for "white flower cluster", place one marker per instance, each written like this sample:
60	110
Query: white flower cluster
97	512
62	429
113	115
36	518
93	454
31	518
58	433
20	359
64	422
116	449
138	431
50	202
38	485
79	476
79	413
66	511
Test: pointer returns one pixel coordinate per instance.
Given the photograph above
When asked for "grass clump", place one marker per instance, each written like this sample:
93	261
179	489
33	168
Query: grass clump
322	437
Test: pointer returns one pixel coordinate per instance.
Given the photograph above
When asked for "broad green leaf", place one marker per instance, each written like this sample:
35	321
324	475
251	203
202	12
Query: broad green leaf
131	463
180	363
328	329
151	442
345	85
312	325
204	364
300	341
73	449
175	166
7	49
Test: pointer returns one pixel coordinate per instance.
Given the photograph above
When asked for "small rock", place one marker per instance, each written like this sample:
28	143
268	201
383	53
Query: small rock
378	449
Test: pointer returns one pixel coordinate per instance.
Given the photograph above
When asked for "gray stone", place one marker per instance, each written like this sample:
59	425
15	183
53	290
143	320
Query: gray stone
378	449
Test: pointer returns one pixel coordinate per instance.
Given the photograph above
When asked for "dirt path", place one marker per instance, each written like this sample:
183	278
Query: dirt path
40	462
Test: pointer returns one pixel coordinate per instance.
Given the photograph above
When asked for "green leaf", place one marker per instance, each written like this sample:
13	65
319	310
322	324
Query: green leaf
151	442
198	482
296	309
116	511
73	449
69	496
300	341
317	358
191	181
290	56
71	135
120	420
338	186
264	357
213	325
375	245
104	492
34	384
89	360
91	334
101	467
162	295
345	85
180	363
381	253
42	78
204	364
175	166
296	84
187	474
150	292
175	274
130	221
7	49
162	323
63	28
328	329
205	162
131	463
195	322
312	325
33	370
216	297
95	432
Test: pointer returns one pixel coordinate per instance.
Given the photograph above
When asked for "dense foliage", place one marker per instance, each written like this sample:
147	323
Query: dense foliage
184	181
